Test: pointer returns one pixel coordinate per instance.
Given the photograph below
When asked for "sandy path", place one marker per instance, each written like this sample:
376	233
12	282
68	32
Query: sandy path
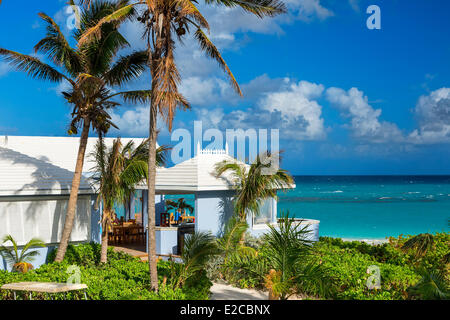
227	292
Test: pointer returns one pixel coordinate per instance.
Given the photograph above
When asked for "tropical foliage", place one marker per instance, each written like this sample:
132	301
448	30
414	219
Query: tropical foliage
121	278
165	23
116	173
346	265
20	262
230	245
432	286
255	183
198	249
90	71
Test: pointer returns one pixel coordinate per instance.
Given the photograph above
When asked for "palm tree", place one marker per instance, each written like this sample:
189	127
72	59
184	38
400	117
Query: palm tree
198	249
292	268
90	70
419	244
20	262
165	21
117	171
253	185
432	286
230	245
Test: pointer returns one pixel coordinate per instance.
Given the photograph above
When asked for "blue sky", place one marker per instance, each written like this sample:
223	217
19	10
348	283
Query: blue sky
346	99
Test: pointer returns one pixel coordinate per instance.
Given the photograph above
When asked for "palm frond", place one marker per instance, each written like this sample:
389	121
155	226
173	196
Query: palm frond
432	286
32	66
136	96
127	68
56	47
211	50
420	244
94	32
260	8
161	155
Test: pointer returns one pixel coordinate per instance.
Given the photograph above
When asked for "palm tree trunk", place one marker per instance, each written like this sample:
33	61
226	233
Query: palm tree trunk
72	205
104	249
151	198
243	219
105	231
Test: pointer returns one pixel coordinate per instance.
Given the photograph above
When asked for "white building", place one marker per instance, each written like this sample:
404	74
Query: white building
35	181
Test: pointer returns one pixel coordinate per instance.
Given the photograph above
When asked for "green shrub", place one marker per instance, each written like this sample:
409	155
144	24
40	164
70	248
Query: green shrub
122	278
87	254
347	263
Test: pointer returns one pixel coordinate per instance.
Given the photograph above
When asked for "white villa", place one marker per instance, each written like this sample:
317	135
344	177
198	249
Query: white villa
35	181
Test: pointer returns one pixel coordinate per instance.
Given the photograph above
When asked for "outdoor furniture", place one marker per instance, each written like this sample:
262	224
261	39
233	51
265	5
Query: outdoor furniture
43	287
128	232
187	219
166	219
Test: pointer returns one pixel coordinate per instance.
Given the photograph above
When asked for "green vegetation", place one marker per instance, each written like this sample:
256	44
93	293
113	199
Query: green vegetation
116	172
404	274
121	278
164	22
283	262
93	73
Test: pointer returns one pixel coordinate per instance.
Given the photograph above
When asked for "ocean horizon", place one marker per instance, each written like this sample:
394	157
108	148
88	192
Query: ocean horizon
370	206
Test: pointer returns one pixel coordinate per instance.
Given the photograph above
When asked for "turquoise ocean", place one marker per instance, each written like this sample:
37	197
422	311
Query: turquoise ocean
370	207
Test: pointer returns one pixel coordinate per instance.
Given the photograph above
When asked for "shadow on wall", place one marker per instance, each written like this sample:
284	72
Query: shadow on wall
45	177
226	209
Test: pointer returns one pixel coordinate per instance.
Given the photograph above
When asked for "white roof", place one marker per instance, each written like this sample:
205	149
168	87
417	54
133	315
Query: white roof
195	174
43	165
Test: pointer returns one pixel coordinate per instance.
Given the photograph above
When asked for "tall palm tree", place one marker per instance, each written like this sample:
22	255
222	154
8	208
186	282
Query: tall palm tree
254	184
90	70
165	21
117	171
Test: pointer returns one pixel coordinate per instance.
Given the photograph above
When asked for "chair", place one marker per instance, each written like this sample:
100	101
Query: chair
141	234
165	219
133	234
118	234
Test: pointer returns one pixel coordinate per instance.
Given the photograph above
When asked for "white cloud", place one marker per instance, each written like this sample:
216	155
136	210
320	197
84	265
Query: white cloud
354	4
135	122
292	110
365	122
433	114
204	91
301	113
308	10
